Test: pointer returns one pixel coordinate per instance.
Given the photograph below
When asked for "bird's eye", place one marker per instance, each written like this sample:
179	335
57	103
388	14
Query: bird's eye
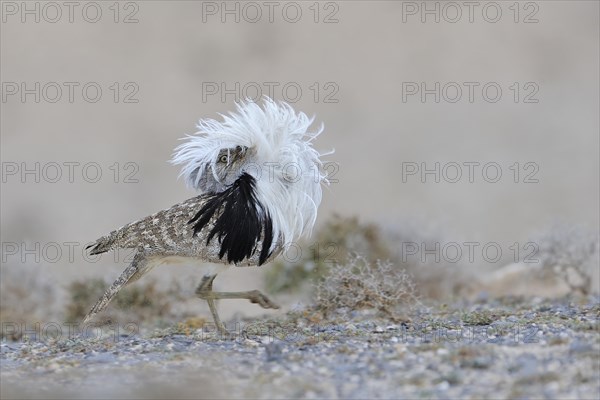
224	158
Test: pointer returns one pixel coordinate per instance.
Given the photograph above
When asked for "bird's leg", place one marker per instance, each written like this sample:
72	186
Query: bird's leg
255	296
204	291
138	267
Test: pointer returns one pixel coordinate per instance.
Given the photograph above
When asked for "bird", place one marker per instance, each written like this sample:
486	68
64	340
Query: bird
259	182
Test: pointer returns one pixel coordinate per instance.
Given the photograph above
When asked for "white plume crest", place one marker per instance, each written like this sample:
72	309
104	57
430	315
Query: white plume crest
287	169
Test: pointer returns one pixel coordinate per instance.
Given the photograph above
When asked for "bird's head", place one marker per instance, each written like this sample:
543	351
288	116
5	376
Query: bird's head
260	175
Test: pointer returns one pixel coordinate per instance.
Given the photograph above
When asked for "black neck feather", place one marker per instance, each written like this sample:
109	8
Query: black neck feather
239	223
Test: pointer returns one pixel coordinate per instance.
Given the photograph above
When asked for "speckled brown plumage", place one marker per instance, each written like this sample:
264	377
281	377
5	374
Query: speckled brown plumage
168	233
158	238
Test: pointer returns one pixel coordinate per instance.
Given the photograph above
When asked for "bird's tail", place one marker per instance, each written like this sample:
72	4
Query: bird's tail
131	274
104	244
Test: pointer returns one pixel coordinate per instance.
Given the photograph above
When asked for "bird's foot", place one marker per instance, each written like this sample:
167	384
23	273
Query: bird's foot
257	297
205	292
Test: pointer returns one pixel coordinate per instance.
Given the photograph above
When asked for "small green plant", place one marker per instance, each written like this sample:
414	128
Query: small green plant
477	318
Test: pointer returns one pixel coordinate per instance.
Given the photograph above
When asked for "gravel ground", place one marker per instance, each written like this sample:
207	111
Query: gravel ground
497	349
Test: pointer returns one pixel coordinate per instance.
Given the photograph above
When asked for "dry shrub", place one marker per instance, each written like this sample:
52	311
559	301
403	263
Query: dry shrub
336	242
361	284
142	301
82	297
27	296
342	238
349	237
572	253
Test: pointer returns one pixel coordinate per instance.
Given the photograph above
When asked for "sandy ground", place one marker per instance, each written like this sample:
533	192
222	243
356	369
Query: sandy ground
508	349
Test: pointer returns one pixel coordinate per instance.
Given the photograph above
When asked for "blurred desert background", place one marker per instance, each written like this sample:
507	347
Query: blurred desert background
465	177
161	66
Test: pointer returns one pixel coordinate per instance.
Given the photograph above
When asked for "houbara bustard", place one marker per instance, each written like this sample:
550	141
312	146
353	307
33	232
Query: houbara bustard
260	183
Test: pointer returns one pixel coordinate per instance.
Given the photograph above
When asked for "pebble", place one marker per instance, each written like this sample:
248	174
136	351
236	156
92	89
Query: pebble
362	358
